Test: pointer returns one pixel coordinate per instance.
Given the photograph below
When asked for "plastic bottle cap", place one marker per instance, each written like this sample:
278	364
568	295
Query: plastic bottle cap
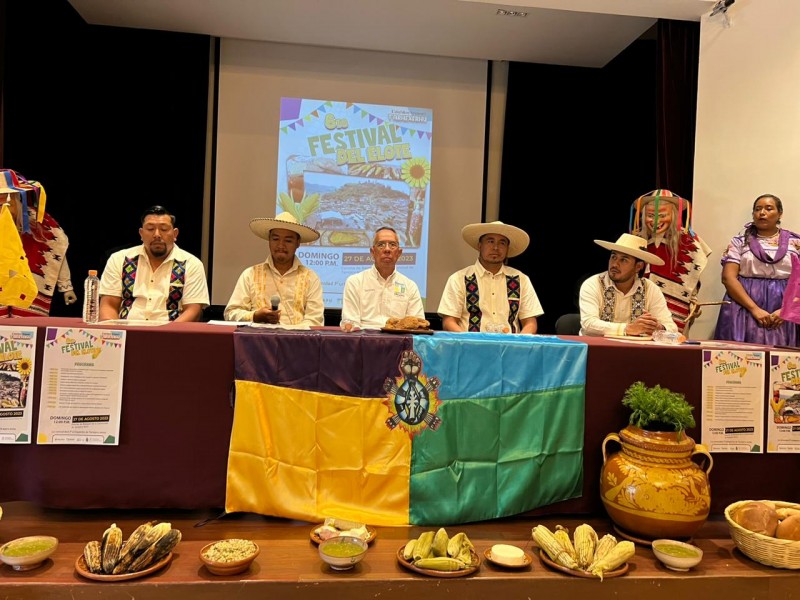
92	272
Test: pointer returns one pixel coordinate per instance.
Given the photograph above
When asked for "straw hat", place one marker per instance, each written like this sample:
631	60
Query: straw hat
517	239
632	245
263	225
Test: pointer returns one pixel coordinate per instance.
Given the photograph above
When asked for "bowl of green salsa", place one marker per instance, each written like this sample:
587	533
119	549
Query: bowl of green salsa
678	556
29	552
342	552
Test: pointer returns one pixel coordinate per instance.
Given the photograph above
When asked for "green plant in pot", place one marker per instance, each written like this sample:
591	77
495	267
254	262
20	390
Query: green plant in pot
651	488
658	409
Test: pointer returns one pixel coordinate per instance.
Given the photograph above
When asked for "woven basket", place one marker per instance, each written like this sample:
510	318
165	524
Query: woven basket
761	548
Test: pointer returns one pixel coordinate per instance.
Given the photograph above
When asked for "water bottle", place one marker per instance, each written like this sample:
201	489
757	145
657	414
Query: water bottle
91	298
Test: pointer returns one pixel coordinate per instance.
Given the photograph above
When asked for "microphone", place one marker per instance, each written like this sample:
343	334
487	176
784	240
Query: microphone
275	301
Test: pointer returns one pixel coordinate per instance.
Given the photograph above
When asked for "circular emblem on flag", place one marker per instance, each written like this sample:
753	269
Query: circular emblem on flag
411	398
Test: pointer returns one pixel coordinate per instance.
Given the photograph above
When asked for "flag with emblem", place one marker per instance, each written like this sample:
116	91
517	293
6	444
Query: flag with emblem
398	429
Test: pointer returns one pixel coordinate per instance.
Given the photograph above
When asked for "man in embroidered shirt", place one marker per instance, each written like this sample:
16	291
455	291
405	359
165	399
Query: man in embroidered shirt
489	295
156	281
619	301
373	296
282	276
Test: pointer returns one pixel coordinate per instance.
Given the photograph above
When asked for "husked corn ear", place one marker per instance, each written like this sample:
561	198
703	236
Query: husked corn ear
562	535
408	551
604	546
547	542
618	555
110	547
439	546
585	538
92	554
422	549
440	563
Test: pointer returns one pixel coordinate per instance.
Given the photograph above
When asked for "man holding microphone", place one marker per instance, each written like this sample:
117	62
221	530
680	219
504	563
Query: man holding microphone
281	289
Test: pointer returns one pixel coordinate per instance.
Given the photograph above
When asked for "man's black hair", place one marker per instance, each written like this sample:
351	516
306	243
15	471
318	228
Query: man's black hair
158	210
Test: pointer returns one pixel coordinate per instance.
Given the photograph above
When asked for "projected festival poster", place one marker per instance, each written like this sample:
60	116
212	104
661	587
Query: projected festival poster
346	169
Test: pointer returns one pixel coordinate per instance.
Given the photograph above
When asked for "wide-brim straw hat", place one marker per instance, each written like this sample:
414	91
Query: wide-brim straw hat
518	240
261	226
632	245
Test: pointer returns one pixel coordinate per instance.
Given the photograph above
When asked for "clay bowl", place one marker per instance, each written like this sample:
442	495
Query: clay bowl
342	552
29	552
227	567
678	556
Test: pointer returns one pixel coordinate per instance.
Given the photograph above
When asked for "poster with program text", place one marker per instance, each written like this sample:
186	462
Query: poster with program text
783	416
348	168
733	400
17	383
81	394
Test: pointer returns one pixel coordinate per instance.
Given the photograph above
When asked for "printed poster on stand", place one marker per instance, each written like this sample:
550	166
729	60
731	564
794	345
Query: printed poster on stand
348	168
733	400
81	395
783	418
17	383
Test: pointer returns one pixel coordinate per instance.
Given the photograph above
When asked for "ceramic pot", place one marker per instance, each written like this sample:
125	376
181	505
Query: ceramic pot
651	488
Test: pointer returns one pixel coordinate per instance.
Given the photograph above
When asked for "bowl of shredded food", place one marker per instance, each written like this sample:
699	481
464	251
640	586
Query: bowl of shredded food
229	557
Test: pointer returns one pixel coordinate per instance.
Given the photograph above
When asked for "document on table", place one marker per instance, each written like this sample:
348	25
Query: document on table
81	394
783	420
17	383
733	400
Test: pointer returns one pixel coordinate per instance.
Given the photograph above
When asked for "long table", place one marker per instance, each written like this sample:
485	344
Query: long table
177	416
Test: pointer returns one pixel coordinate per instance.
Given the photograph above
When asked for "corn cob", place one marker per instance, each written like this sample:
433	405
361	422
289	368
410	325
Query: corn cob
422	549
156	551
455	543
604	546
440	563
618	555
408	551
547	542
92	556
585	542
135	539
155	533
562	535
439	546
110	547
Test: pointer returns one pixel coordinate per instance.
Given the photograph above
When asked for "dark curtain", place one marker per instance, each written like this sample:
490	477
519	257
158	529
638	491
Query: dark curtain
110	121
580	146
676	104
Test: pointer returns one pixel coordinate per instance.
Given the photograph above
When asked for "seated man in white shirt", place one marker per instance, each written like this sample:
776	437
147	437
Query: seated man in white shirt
620	301
371	297
156	281
282	277
489	295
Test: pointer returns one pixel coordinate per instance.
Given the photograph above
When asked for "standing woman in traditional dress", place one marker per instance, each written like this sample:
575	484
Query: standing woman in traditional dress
755	271
664	219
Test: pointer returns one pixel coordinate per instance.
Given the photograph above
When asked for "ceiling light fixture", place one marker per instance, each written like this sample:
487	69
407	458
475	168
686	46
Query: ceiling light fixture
511	13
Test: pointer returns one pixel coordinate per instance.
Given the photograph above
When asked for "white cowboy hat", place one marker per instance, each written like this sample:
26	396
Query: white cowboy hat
633	245
517	239
263	225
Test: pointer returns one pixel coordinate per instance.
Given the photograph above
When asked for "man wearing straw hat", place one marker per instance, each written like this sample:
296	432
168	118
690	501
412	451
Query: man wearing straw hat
620	301
281	289
490	296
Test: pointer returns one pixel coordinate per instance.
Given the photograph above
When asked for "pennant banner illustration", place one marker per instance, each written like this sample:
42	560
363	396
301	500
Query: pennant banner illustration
396	430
